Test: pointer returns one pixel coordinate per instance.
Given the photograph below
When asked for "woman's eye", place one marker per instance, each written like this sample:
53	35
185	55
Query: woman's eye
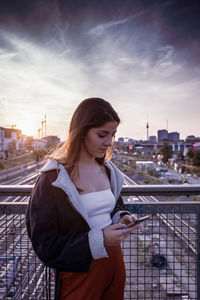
101	136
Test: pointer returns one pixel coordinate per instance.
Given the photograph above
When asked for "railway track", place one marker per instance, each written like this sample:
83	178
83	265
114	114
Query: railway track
10	176
175	241
29	179
187	233
23	268
15	248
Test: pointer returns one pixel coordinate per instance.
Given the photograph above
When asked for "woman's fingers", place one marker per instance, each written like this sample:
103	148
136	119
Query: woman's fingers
130	230
115	234
126	219
134	218
116	226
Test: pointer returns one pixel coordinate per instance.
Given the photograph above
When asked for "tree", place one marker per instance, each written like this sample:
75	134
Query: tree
190	156
180	156
166	152
196	158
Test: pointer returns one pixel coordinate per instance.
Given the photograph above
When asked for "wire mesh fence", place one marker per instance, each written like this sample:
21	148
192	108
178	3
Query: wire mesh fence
161	258
160	262
22	274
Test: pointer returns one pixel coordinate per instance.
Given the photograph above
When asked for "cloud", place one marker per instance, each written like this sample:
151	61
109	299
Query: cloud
101	28
122	58
165	55
32	78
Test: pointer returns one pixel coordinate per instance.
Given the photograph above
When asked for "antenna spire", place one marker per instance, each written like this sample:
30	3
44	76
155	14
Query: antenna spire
147	127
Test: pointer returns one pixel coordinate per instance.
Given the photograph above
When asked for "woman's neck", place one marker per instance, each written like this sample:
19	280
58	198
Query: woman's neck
86	160
87	163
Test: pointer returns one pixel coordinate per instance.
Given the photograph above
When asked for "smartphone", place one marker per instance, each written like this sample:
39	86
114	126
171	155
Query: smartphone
138	221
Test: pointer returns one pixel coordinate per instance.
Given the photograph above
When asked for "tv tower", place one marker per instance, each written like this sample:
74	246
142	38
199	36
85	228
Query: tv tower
147	127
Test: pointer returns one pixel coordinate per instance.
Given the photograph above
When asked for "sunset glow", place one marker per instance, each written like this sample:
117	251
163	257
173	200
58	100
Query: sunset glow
28	126
143	60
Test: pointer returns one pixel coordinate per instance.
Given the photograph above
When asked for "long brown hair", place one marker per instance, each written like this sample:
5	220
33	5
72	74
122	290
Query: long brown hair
90	113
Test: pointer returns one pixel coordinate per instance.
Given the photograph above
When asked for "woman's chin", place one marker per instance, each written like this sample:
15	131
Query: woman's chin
100	155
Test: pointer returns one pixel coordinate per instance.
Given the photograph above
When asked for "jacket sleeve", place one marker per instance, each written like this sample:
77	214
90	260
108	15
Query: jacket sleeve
119	210
57	250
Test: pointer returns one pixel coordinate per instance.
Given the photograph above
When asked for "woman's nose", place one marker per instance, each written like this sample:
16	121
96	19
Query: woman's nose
108	141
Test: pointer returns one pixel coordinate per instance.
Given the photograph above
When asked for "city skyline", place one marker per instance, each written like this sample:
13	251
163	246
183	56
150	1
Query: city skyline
151	138
141	56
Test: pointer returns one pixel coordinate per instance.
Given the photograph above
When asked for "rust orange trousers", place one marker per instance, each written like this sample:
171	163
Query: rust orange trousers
104	281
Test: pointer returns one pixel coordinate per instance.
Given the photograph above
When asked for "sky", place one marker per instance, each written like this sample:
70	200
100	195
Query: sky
143	56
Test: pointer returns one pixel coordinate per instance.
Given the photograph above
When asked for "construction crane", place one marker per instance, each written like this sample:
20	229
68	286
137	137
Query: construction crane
12	126
39	129
44	126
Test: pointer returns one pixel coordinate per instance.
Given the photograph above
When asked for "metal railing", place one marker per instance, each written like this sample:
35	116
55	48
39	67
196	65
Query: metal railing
191	189
162	260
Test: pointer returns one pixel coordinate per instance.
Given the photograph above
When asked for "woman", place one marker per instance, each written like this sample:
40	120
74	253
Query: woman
75	216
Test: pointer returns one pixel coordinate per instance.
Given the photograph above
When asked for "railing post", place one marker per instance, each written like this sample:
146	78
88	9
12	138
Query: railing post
198	256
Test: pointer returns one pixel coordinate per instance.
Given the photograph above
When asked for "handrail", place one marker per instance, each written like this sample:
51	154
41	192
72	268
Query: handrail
161	190
134	190
8	208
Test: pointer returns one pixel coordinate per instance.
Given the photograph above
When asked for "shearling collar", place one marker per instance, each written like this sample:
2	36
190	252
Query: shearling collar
64	182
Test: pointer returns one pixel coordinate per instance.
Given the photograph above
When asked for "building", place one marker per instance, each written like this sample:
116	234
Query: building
143	165
152	139
191	138
51	140
12	139
174	136
28	143
162	135
39	144
131	141
121	139
2	139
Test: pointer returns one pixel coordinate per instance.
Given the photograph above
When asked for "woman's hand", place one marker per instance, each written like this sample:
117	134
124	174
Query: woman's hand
126	219
115	234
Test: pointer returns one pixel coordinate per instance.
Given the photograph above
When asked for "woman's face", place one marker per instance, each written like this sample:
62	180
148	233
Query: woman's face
99	139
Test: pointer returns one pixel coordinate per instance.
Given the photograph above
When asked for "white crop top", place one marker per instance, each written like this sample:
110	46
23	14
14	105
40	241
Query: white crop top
99	205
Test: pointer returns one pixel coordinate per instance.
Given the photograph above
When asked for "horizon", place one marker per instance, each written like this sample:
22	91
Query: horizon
116	139
141	56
